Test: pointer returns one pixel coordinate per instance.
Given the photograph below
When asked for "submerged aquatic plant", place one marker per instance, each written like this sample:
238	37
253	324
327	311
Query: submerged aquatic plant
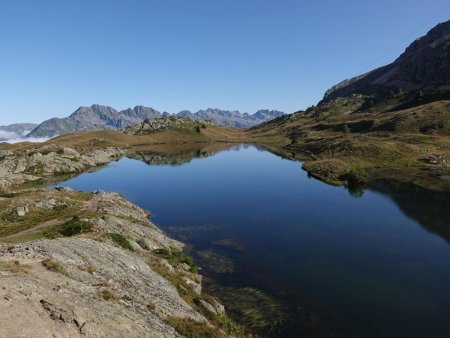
215	261
255	309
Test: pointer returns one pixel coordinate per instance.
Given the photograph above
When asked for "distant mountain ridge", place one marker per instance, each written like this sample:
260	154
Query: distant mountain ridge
98	117
93	118
232	118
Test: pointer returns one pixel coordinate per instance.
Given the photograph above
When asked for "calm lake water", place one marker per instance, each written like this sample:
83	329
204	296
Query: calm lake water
377	265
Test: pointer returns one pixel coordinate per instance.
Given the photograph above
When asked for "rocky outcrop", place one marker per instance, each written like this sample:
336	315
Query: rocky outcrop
172	122
87	285
32	164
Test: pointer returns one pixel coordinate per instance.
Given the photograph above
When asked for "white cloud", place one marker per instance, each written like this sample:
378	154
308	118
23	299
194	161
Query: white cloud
10	137
6	135
27	139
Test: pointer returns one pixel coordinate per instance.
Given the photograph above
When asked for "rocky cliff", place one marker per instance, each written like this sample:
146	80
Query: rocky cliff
424	67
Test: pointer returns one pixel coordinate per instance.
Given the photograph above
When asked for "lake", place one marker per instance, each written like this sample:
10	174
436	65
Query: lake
311	259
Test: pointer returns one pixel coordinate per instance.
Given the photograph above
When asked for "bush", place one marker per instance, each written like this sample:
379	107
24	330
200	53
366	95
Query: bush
192	329
143	244
107	294
71	228
121	240
176	257
54	266
357	176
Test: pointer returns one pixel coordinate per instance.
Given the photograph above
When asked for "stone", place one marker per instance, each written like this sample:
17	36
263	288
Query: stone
184	267
22	211
70	153
46	204
208	307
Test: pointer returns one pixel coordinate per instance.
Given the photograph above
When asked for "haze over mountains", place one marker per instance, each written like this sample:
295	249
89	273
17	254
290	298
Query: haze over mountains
16	130
98	117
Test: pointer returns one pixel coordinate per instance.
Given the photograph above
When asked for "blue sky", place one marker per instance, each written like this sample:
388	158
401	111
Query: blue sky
179	54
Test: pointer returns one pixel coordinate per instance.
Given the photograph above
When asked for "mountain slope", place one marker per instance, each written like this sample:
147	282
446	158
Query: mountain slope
232	118
93	118
424	67
393	122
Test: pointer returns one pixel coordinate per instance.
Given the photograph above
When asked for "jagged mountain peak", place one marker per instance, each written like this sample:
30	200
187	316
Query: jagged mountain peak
94	117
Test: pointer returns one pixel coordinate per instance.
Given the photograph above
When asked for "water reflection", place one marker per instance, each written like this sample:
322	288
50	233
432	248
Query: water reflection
431	209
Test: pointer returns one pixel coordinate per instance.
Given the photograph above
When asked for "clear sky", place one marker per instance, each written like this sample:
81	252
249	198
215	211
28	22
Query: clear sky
190	54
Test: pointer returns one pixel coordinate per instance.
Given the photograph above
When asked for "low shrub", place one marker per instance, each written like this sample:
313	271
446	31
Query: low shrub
107	294
357	176
192	329
54	266
143	244
71	228
176	257
121	241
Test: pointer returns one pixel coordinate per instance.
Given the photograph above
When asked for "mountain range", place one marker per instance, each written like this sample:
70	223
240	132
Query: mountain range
98	117
93	118
232	118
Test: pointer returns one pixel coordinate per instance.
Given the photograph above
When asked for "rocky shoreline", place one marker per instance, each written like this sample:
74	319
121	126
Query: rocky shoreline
90	264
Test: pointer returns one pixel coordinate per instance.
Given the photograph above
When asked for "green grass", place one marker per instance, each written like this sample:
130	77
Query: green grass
32	184
194	329
107	294
357	177
143	244
70	228
175	257
12	223
190	328
54	266
121	241
5	194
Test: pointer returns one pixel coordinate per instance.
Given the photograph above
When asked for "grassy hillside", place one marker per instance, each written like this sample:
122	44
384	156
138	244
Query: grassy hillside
340	137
